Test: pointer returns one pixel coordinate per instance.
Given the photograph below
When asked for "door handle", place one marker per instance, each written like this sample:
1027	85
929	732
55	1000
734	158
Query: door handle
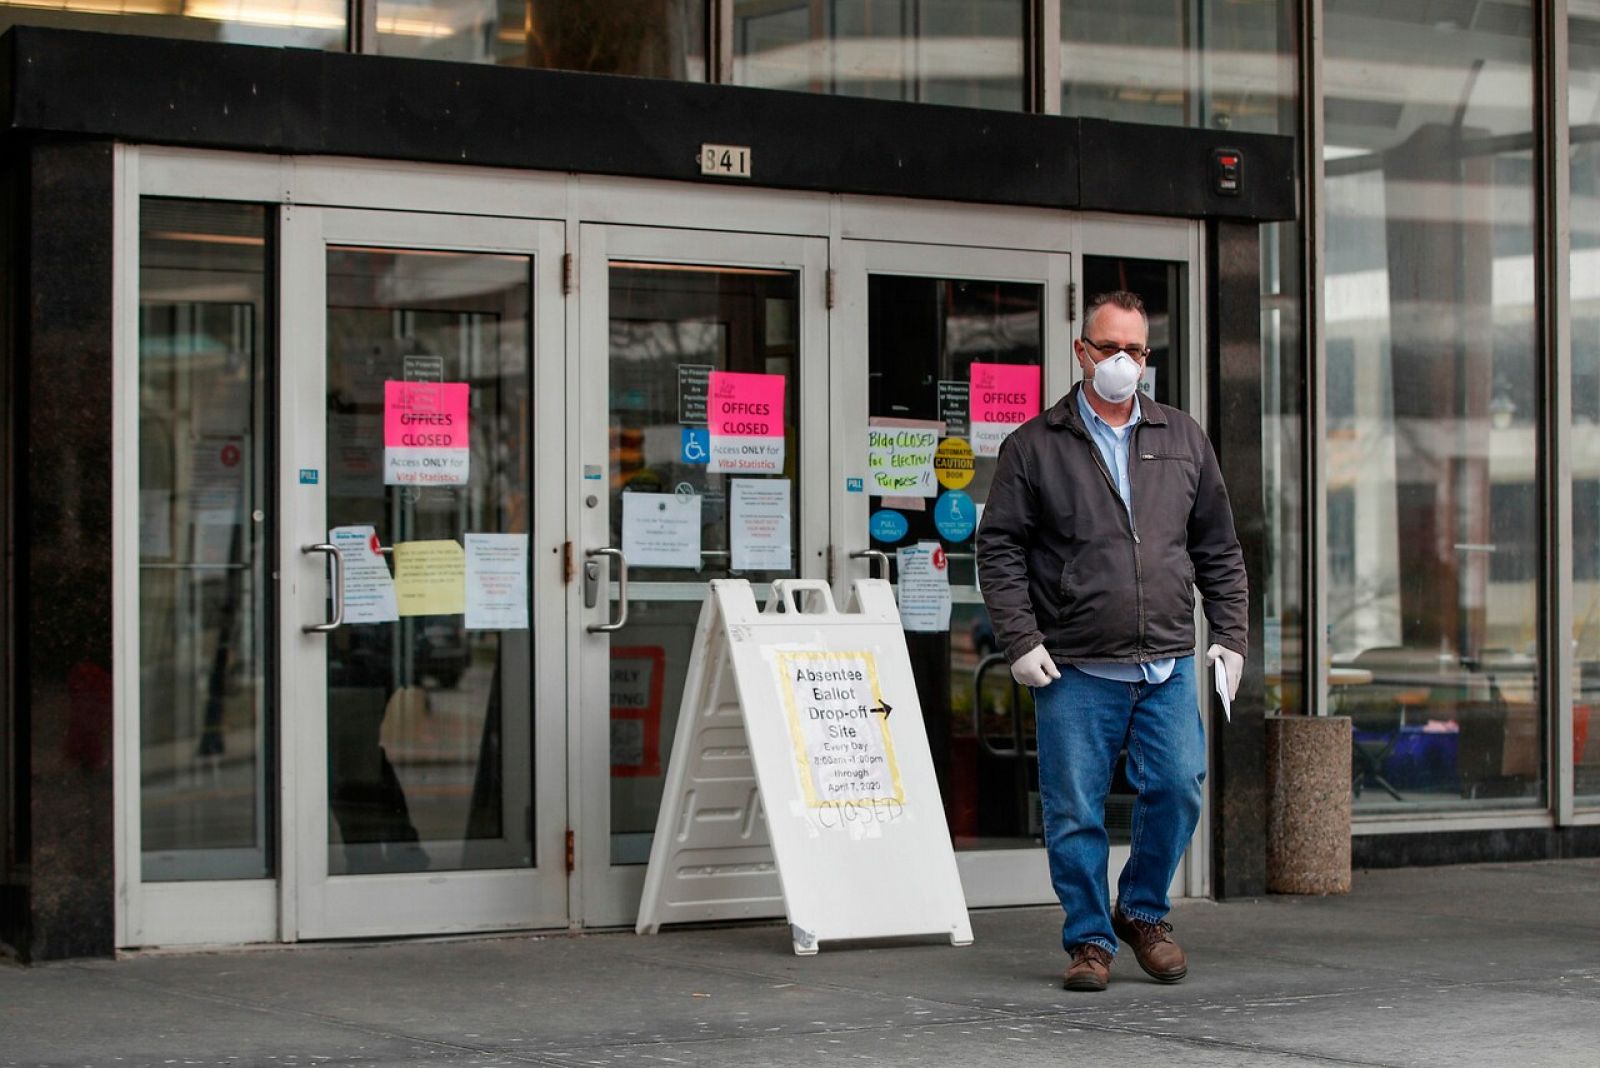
591	588
1019	747
332	552
877	557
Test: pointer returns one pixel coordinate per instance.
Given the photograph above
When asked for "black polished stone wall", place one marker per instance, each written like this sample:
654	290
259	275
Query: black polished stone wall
61	525
1505	845
1238	749
11	924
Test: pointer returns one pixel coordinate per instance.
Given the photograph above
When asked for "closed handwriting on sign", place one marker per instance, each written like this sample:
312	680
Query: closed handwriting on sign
900	461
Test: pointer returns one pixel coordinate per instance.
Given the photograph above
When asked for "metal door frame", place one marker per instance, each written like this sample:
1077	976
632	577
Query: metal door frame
989	877
343	906
607	894
710	221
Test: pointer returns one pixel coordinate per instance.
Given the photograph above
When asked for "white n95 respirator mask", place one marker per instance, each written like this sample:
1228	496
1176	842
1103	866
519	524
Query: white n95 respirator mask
1116	379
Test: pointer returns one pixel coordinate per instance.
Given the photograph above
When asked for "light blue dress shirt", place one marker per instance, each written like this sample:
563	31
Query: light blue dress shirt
1114	443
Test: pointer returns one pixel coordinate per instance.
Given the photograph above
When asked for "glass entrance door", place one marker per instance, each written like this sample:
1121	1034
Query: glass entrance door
423	702
959	345
199	861
704	428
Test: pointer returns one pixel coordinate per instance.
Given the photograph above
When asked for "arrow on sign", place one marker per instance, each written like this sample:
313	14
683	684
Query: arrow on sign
883	709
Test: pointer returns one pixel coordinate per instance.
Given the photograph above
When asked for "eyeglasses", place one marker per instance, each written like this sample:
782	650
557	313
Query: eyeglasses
1108	350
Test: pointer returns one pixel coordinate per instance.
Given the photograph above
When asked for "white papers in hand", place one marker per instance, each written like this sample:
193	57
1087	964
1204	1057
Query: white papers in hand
1219	679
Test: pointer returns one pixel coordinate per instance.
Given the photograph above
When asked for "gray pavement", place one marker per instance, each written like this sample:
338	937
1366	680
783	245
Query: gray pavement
1488	965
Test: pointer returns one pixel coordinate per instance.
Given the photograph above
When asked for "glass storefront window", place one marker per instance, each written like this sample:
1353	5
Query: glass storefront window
1283	386
1222	65
965	52
1226	66
316	24
204	467
1433	450
651	38
1583	116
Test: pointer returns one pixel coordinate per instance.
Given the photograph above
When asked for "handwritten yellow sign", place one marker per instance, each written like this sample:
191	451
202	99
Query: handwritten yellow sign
900	461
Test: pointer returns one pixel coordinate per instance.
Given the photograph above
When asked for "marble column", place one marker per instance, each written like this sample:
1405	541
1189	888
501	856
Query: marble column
1308	804
61	593
1233	345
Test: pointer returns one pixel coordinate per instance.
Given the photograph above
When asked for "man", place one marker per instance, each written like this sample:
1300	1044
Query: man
1105	513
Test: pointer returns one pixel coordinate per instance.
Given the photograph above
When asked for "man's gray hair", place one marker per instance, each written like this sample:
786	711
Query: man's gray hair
1118	298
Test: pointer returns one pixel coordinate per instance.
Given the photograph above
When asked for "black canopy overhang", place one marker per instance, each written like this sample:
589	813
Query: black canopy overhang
294	101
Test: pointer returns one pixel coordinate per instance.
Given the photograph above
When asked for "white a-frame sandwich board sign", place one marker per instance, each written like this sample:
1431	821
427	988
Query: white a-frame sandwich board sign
800	780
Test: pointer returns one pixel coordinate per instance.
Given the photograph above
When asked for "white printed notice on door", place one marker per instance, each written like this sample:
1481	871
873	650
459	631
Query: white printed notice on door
924	587
497	581
368	587
840	727
759	524
661	529
746	421
425	433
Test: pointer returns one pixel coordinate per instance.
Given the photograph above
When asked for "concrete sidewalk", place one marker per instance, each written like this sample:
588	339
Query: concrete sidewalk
1494	965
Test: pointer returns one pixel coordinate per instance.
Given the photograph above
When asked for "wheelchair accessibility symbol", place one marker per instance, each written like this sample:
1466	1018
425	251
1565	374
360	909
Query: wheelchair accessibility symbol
696	445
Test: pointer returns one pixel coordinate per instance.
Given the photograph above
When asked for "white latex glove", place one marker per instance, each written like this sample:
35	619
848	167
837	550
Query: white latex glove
1035	668
1232	663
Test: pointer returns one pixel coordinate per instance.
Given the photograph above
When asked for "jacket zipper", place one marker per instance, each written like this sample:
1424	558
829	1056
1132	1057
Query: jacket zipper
1138	565
1133	527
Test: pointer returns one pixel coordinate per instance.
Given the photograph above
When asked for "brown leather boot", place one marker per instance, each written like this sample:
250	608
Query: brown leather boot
1090	970
1160	957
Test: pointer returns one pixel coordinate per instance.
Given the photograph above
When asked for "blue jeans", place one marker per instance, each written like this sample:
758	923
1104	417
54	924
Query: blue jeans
1083	723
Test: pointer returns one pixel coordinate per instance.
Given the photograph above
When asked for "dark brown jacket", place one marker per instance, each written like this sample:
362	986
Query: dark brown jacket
1061	565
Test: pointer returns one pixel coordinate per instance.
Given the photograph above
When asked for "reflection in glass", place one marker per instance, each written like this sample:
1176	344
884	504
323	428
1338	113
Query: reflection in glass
430	738
652	38
316	24
1282	452
204	462
965	52
923	336
1583	104
1161	286
1432	328
1214	63
1223	66
671	328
